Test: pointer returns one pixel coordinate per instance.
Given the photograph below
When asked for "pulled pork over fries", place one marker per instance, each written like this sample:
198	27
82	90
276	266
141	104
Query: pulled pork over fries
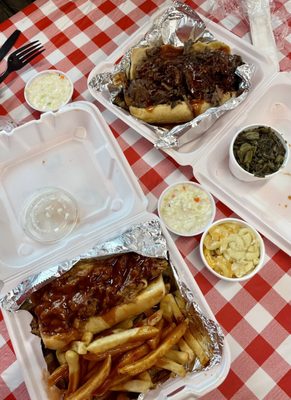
131	326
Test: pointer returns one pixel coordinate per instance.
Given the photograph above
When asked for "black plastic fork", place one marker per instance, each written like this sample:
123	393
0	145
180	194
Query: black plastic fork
20	57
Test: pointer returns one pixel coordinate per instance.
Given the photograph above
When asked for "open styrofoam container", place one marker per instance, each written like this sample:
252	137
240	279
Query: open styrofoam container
265	204
208	154
75	150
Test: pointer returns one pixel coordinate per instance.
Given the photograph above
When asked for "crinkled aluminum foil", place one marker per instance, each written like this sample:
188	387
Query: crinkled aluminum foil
177	25
144	238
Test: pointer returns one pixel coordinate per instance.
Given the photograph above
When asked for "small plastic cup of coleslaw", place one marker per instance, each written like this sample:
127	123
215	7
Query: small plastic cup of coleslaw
186	208
48	90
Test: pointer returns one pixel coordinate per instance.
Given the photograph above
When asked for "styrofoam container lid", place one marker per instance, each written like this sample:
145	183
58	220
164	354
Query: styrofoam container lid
64	180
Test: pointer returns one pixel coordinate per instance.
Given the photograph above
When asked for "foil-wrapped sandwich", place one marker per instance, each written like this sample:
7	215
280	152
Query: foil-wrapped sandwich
172	85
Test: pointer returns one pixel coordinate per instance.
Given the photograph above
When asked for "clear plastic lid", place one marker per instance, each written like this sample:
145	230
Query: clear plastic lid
49	215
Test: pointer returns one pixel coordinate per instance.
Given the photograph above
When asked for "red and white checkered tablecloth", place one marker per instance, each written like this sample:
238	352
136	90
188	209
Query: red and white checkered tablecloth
254	315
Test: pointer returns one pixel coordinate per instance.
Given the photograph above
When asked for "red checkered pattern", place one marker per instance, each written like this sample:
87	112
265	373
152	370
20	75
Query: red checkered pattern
254	315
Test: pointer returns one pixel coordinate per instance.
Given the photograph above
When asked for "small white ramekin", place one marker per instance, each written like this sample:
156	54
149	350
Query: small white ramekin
43	90
183	232
241	173
261	244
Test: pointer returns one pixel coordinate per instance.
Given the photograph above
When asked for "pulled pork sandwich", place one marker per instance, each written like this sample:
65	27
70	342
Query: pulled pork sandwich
172	85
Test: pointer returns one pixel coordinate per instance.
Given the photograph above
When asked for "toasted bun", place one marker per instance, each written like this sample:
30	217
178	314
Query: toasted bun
199	106
163	113
215	45
227	96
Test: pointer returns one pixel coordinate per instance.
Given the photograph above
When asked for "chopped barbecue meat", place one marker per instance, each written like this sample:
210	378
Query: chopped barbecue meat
93	287
169	75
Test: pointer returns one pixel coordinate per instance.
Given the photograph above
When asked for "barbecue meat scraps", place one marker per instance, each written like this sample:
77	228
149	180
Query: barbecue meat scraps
170	75
92	287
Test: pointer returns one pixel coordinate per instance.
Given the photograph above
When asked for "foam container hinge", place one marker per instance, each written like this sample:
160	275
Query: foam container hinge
81	154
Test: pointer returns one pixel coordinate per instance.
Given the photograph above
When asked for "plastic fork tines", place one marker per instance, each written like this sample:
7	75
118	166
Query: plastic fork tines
20	57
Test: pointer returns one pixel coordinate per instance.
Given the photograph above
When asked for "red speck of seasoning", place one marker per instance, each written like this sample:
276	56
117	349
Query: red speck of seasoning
197	199
62	77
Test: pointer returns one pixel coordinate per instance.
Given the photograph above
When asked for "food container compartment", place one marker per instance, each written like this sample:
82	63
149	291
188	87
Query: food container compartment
265	204
190	152
234	247
239	170
48	153
63	136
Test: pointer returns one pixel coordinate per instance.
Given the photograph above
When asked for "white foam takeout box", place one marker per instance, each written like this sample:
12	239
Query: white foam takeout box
75	150
265	205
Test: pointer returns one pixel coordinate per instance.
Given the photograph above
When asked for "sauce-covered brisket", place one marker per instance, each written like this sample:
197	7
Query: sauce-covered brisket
92	287
169	75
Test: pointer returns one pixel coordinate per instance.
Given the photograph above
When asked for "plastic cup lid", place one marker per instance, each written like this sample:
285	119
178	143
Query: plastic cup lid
49	215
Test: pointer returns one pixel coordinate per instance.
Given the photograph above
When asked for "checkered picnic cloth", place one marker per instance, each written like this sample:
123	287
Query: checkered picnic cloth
254	315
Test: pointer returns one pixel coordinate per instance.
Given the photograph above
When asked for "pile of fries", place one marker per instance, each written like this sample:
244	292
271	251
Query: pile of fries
131	348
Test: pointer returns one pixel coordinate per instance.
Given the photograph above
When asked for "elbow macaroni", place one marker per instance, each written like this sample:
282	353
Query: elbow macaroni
231	249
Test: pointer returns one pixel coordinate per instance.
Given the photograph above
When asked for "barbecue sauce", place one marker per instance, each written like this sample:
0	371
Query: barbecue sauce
92	287
173	74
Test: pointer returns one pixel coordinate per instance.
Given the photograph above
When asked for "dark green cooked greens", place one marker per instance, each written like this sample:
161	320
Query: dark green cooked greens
259	151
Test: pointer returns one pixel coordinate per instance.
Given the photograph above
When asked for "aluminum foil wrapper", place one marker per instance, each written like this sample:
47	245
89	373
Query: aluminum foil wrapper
178	25
145	238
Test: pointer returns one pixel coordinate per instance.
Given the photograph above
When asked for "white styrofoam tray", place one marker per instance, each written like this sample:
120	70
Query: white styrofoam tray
190	152
53	138
265	204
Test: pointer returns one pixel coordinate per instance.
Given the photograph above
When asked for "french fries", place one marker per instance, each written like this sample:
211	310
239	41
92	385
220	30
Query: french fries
72	359
122	350
150	360
170	365
180	357
61	372
148	298
136	385
196	348
117	339
86	391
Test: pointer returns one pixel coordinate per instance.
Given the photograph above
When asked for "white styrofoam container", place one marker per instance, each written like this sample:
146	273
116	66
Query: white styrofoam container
81	156
267	204
208	154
